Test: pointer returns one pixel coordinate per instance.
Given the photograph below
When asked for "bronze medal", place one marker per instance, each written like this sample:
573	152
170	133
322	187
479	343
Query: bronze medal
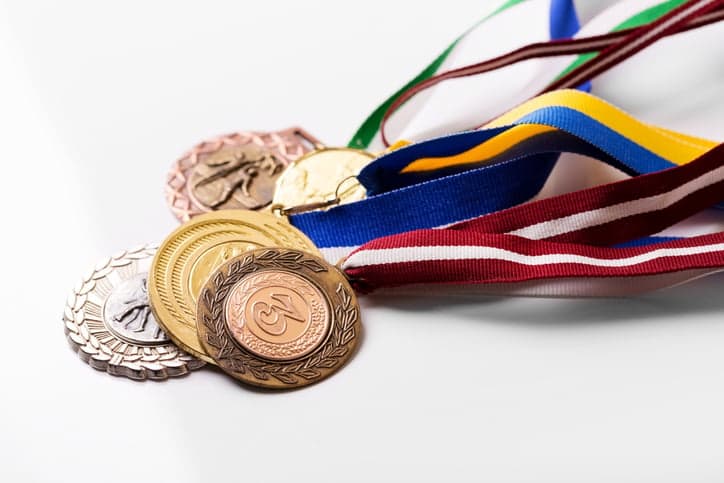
278	318
196	249
238	171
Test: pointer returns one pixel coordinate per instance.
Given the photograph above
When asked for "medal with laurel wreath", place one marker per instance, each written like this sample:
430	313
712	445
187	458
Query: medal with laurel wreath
109	323
278	318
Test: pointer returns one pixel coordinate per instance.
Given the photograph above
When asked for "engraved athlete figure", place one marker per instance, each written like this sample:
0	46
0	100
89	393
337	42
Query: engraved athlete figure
234	170
137	311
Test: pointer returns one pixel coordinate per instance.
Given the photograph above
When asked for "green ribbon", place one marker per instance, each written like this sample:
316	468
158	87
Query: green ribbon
646	16
371	125
367	131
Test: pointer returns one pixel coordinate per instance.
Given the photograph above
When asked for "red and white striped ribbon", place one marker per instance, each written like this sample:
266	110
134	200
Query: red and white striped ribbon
558	246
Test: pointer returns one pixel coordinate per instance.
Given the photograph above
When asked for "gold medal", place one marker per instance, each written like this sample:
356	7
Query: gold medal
322	175
194	250
278	318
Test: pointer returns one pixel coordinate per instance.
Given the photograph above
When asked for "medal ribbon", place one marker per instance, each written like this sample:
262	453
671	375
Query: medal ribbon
558	246
619	43
562	22
639	147
513	176
635	42
458	105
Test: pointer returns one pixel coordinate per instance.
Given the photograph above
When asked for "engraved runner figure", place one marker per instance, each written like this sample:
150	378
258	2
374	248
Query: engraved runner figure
236	171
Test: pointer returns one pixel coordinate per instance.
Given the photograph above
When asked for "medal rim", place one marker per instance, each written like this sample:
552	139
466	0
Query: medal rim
325	279
81	339
161	312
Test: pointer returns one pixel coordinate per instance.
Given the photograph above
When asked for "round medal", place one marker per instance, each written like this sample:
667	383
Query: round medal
194	250
278	318
110	325
238	171
322	175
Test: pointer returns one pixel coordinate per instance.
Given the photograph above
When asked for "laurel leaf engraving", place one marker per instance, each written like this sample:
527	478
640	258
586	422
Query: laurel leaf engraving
218	279
309	374
259	374
157	362
327	363
238	360
313	265
206	297
338	352
347	336
285	378
266	256
213	340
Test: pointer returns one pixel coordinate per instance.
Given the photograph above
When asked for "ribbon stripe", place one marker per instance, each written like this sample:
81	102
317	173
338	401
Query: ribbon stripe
562	23
498	259
466	253
635	42
572	213
460	105
638	147
554	48
413	200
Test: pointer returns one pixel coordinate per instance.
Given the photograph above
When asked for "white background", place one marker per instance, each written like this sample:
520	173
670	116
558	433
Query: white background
98	98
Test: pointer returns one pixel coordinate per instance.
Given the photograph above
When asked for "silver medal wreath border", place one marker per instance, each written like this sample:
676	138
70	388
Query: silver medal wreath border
154	362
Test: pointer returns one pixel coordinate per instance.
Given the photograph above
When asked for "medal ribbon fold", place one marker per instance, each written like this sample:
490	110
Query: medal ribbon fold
618	43
504	177
562	22
641	147
469	100
557	246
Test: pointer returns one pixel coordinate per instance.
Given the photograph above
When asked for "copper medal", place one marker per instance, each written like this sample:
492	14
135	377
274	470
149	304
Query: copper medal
278	318
237	171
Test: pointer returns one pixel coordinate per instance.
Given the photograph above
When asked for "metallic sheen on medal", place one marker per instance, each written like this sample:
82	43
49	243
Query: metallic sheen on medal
189	255
322	175
238	171
278	318
109	323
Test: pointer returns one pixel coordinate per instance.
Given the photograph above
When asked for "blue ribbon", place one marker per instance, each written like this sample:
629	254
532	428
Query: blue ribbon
400	203
384	174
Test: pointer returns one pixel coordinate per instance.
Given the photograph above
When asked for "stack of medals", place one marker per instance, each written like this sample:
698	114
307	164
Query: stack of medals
216	291
239	286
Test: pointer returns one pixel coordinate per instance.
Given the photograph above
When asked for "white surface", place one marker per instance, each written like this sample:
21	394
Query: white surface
98	98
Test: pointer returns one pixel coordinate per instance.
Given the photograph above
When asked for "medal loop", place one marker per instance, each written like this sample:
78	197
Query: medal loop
282	211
